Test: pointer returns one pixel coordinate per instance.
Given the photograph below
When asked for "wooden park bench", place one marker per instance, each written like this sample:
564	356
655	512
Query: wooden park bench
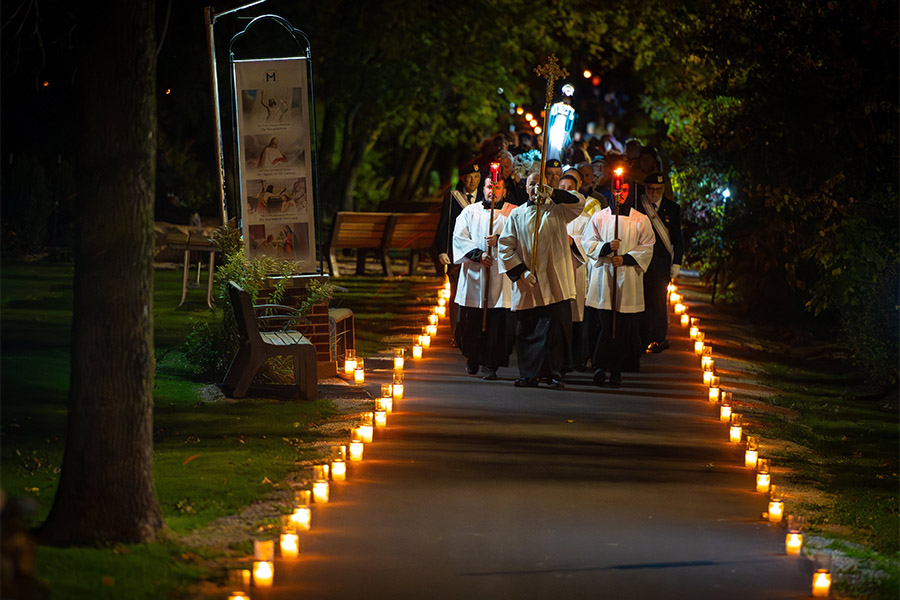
257	346
378	233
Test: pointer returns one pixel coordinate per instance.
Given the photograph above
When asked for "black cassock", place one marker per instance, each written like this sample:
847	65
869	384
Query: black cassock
492	347
544	340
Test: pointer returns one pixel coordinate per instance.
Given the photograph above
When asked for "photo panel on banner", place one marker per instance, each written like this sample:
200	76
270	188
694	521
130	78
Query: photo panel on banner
274	149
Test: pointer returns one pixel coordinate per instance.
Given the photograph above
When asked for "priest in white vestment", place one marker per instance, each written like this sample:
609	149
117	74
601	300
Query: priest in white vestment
541	296
481	284
626	257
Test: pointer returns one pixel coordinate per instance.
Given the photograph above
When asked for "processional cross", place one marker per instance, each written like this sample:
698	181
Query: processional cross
551	71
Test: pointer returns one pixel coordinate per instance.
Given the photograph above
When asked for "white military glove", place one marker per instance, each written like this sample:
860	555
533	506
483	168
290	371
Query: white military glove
529	279
544	192
674	271
444	258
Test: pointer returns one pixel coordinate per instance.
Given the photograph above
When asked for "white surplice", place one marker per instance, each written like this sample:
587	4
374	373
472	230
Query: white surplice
555	274
637	239
472	226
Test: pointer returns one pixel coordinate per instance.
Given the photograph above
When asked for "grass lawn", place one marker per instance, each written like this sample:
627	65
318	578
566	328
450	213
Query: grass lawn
833	441
211	459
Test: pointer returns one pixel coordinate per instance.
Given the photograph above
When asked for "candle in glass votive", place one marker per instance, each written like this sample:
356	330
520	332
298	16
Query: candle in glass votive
350	361
714	382
380	418
359	374
302	497
707	350
707	363
320	492
417	351
684	319
680	308
694	330
432	319
263	573
238	596
447	285
776	504
264	549
321	471
432	330
736	429
698	347
385	404
674	297
399	359
397	390
793	540
707	376
442	301
725	407
793	543
695	322
763	478
365	433
425	340
442	311
338	470
751	454
356	450
821	583
289	543
671	287
301	518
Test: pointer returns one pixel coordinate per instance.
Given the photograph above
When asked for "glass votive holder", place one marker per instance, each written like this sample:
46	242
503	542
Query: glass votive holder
289	542
725	407
776	504
399	358
737	428
302	498
397	388
417	351
338	470
359	373
698	347
349	361
432	330
763	477
264	549
685	319
751	453
380	418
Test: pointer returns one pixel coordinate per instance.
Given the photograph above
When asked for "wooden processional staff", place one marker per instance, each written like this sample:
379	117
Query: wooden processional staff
551	71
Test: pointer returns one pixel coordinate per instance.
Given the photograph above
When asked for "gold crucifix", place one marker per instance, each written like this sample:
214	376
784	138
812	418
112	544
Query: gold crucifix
551	71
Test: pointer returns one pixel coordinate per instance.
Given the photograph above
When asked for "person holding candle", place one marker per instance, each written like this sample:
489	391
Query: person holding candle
467	192
626	257
665	216
541	292
485	341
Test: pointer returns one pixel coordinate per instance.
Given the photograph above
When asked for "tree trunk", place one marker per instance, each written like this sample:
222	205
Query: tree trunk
106	488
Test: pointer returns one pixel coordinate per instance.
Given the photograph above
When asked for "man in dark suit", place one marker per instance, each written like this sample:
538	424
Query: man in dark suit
467	191
665	216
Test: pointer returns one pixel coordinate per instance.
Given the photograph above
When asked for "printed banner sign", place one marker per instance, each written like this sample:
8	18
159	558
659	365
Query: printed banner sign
274	150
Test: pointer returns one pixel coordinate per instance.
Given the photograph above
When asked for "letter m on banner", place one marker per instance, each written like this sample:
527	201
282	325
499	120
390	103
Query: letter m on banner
270	77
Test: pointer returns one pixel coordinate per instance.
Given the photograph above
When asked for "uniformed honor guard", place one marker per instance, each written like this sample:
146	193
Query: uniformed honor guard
467	192
665	216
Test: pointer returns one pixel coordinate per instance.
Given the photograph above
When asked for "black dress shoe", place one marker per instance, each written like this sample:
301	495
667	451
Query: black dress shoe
489	374
615	379
599	377
556	384
471	367
526	382
657	347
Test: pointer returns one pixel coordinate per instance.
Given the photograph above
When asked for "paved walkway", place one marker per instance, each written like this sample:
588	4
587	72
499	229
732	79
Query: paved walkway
481	490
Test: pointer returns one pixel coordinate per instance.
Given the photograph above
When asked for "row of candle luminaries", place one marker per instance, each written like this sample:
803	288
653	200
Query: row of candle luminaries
793	541
292	526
